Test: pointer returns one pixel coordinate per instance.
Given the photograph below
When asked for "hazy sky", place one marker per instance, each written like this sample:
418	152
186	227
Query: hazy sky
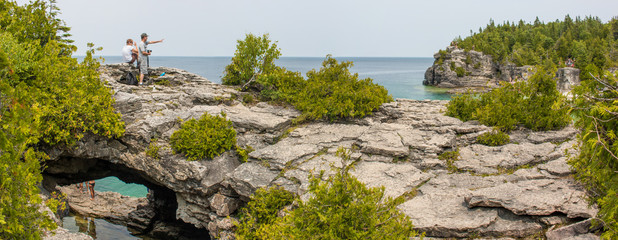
372	28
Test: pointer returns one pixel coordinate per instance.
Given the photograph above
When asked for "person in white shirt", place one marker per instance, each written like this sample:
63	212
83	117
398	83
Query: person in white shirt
129	52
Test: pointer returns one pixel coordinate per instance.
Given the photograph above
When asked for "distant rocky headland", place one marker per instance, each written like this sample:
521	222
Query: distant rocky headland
521	189
460	70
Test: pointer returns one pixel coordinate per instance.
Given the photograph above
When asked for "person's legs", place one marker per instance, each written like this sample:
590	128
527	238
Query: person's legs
143	69
91	188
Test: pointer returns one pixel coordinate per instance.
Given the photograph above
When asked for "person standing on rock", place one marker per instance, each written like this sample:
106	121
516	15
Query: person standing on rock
142	48
129	52
91	189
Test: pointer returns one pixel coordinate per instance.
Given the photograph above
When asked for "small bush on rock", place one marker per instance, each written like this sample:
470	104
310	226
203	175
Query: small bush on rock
207	137
536	104
261	211
335	93
329	93
341	207
493	138
254	56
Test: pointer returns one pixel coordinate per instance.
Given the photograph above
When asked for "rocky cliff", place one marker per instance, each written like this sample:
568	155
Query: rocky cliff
516	190
458	68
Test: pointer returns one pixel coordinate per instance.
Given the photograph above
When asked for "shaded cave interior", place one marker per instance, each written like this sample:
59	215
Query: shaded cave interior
155	220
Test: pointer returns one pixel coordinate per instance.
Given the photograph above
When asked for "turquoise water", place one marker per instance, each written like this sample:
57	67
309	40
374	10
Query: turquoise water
113	184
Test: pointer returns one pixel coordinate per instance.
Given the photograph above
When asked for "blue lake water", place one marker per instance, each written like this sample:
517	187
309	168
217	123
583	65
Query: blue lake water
402	77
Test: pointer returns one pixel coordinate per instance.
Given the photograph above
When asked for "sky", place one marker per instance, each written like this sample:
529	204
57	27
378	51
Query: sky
315	28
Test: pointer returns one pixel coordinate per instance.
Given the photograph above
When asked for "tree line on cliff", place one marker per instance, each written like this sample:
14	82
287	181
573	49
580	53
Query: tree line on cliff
592	44
536	104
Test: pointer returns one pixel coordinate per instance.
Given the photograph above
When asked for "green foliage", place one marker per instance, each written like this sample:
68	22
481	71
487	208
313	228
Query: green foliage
460	72
254	56
46	98
335	93
450	157
440	60
597	163
248	98
462	106
494	138
261	211
331	93
587	41
477	65
244	152
19	165
341	207
153	149
207	137
536	104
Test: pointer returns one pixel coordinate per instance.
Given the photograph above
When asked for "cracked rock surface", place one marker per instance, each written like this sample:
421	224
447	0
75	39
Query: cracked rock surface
515	190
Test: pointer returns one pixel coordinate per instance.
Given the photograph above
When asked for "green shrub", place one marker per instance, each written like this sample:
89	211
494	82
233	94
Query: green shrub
254	56
281	85
261	211
47	98
462	106
453	66
207	137
597	163
163	82
331	93
468	59
244	152
460	71
493	138
153	149
248	98
341	207
335	93
477	65
440	60
536	104
450	157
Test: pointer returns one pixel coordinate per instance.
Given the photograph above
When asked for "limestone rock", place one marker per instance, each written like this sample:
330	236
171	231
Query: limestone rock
64	234
576	231
509	191
535	197
250	176
457	68
108	205
485	159
397	179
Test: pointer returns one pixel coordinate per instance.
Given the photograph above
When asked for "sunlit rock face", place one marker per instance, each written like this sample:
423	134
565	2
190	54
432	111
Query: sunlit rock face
515	190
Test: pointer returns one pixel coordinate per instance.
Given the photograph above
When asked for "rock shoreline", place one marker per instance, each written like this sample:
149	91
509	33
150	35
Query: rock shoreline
516	190
462	70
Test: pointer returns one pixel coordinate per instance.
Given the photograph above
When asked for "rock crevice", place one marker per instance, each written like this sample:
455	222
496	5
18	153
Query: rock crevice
397	147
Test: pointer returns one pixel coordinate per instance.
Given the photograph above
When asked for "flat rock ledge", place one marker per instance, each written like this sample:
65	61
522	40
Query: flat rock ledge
112	206
511	191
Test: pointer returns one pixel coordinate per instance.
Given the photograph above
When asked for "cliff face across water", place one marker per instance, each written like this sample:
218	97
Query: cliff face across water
457	68
516	190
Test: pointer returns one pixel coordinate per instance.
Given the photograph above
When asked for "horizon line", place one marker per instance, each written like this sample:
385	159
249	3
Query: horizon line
114	55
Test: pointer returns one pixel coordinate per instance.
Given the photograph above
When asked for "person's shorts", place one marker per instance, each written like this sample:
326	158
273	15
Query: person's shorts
143	67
